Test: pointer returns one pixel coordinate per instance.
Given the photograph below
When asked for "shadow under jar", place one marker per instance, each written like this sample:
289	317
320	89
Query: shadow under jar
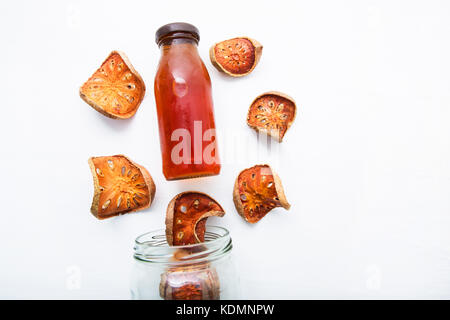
202	271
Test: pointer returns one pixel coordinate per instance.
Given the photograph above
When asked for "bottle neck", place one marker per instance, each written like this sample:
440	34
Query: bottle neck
178	38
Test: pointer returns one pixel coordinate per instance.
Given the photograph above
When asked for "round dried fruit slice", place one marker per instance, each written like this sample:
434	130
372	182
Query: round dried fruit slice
258	190
186	217
197	282
272	113
236	57
116	89
120	186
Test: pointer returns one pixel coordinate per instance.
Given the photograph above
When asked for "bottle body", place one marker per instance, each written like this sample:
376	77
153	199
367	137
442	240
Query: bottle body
185	113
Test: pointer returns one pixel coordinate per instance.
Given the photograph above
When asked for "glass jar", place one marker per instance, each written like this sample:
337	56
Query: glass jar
184	105
202	271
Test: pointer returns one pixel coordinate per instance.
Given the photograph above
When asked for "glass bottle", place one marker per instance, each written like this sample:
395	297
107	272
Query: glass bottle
184	105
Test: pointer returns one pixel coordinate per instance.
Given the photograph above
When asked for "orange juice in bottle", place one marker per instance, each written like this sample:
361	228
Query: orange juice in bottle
184	106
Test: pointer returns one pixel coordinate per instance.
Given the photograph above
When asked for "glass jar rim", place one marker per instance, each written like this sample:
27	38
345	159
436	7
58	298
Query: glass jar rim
152	247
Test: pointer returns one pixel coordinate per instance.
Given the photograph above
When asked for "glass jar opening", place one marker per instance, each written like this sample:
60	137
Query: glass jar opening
152	247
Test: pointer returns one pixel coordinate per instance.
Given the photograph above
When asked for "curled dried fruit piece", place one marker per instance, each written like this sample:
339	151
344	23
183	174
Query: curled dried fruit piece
120	186
236	57
273	113
116	89
186	217
258	190
196	282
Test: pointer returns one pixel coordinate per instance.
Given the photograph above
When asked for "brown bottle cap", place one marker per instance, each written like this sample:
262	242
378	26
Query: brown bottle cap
177	27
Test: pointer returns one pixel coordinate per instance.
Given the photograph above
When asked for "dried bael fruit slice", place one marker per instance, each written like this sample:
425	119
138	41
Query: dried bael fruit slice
120	186
186	217
116	89
273	113
236	57
257	191
196	282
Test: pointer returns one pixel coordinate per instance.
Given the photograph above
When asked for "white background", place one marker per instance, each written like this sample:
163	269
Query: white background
366	165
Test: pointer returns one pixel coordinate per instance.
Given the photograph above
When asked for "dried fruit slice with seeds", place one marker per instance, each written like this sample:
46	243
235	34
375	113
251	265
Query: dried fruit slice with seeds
236	57
120	186
273	113
196	282
186	217
116	89
257	191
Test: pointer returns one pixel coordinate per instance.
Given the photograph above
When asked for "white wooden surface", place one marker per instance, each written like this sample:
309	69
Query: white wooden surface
366	166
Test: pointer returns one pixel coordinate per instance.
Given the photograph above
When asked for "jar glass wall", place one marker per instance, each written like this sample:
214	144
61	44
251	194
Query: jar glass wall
203	271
